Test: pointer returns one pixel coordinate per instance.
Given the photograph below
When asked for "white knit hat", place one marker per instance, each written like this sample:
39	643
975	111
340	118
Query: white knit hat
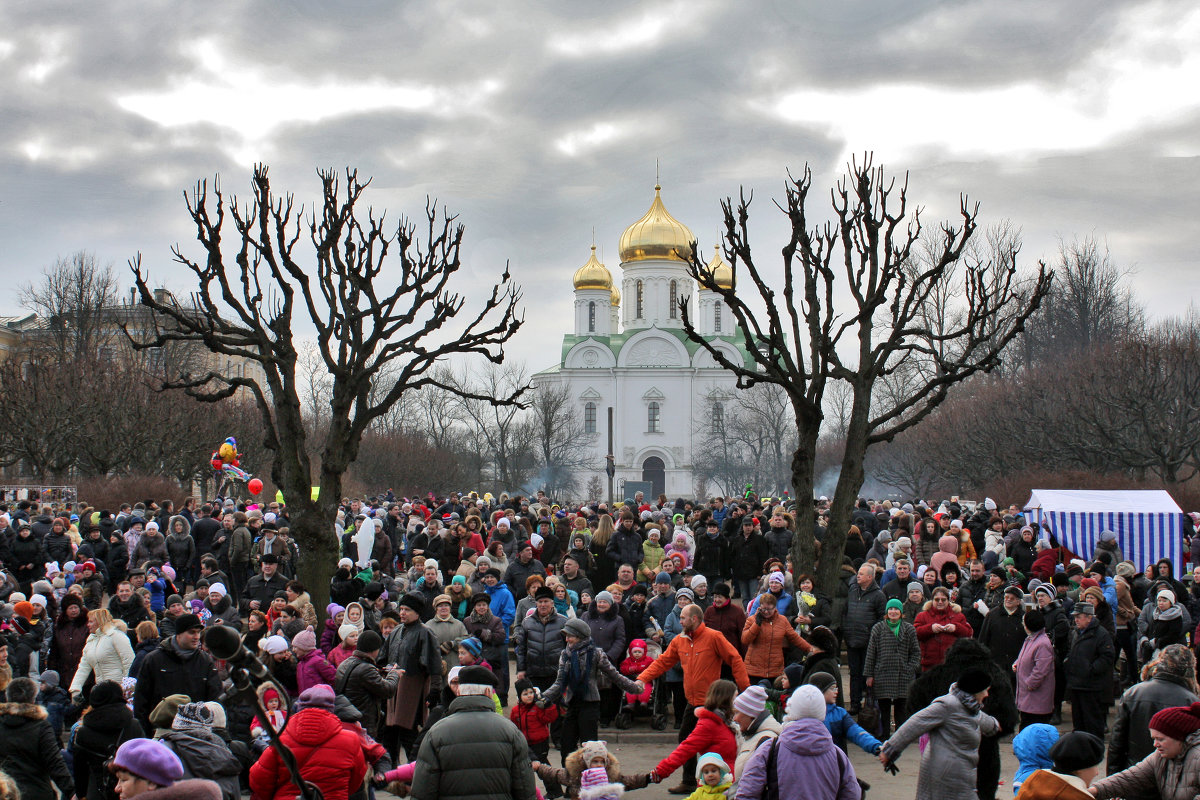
807	702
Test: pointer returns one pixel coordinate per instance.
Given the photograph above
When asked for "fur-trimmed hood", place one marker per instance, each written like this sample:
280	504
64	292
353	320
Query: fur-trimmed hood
575	766
954	607
14	713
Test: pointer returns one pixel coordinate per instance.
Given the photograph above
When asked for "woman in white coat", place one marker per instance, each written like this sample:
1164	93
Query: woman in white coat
107	653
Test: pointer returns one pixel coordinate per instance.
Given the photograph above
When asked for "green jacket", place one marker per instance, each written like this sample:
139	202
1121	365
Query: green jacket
475	753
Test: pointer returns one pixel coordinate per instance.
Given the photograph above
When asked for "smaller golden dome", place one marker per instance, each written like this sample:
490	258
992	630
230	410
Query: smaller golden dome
616	296
657	235
720	270
593	274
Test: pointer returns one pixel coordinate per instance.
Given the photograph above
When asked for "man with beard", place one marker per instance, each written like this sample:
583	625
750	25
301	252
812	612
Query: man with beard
178	666
413	649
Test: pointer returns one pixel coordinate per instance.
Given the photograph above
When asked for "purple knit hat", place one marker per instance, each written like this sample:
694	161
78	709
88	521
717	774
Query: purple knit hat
319	696
150	760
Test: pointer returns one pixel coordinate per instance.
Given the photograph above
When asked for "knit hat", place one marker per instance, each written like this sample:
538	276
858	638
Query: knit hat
594	785
345	563
38	600
1076	751
164	712
715	760
593	750
187	622
218	713
915	586
822	680
776	577
305	640
22	625
275	644
698	581
472	646
192	717
521	685
605	596
104	693
1178	722
894	603
317	696
24	609
148	759
1046	589
577	627
751	702
369	641
974	681
50	678
1034	620
333	609
663	577
806	702
217	588
173	599
347	630
1167	593
685	592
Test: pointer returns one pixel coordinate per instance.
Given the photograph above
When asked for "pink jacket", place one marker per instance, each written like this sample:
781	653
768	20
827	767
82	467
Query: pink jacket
1035	675
311	669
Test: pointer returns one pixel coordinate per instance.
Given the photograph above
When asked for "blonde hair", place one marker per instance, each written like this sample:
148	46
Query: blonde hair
103	619
604	530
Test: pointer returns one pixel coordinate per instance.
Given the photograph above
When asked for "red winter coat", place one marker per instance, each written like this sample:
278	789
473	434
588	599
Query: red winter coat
935	645
1043	565
329	756
311	669
532	721
711	735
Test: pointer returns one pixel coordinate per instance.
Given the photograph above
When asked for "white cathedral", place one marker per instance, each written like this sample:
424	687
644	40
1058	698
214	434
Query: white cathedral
635	359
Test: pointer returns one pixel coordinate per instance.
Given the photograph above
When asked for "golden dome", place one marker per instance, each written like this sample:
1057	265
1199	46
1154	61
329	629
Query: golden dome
657	235
720	270
615	296
593	274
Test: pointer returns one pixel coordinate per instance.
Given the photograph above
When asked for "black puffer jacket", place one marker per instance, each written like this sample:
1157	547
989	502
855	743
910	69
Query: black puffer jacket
365	686
29	752
864	607
747	555
625	547
170	670
345	588
96	741
1130	740
608	632
539	643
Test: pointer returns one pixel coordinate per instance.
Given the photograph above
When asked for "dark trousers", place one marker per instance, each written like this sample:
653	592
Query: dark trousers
899	705
394	737
1088	711
580	724
540	751
610	704
1126	645
857	660
987	773
688	776
1060	685
1028	719
747	588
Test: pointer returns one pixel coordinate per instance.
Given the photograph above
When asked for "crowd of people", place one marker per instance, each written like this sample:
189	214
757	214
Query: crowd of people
470	636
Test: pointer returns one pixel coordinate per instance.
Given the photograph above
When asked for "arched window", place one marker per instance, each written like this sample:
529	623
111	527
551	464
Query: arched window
717	317
718	418
589	418
592	317
654	418
674	300
639	300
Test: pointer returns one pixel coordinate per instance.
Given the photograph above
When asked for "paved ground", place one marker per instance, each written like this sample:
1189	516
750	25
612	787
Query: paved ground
640	749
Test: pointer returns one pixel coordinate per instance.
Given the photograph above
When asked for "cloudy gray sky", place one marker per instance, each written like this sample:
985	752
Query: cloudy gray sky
538	122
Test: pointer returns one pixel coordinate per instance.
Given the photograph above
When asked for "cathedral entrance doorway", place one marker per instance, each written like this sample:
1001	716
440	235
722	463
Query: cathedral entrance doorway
654	472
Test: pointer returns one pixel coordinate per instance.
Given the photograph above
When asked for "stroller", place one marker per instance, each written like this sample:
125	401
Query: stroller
654	705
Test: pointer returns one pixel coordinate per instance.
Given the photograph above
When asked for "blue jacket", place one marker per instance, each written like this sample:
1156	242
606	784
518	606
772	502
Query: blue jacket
1032	748
783	604
842	727
1109	587
503	606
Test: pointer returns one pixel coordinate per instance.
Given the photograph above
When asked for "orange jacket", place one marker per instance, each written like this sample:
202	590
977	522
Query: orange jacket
764	645
701	656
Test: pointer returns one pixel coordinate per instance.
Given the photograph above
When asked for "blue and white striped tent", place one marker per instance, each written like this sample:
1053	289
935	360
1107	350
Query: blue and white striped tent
1149	524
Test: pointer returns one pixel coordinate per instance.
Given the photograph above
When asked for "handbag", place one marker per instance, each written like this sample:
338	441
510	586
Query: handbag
868	715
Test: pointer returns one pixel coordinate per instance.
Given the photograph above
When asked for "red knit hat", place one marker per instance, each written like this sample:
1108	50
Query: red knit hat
1178	722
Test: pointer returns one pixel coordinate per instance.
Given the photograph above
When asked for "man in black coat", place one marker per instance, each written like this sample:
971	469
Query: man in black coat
1003	631
748	552
1171	685
260	590
1089	666
178	666
897	588
963	656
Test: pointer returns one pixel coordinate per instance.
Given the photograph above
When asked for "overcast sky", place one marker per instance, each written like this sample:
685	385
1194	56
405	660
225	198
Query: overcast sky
539	122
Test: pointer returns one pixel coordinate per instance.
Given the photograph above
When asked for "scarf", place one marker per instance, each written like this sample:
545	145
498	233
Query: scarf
580	660
562	606
1172	612
894	626
968	700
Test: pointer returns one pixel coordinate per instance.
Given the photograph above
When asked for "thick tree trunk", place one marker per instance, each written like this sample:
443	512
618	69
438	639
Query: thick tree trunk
850	482
804	544
313	531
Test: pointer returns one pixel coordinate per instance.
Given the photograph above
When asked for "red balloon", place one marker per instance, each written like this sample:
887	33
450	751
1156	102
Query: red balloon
255	486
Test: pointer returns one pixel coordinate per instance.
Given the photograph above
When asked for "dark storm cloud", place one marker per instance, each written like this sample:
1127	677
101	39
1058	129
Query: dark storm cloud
541	122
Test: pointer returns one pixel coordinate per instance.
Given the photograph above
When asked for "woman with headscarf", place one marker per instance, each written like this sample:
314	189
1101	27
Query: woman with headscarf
70	635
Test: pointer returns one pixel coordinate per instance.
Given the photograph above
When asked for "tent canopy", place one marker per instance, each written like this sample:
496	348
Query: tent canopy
1148	524
1153	501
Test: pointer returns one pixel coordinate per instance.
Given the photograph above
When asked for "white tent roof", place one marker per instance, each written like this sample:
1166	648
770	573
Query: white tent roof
1155	501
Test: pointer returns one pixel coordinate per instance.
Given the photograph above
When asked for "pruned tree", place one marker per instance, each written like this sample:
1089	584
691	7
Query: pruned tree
500	432
561	439
800	341
380	297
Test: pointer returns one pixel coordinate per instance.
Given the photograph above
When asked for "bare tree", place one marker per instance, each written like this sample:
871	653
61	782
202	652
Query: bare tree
76	300
379	298
800	343
500	431
561	439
